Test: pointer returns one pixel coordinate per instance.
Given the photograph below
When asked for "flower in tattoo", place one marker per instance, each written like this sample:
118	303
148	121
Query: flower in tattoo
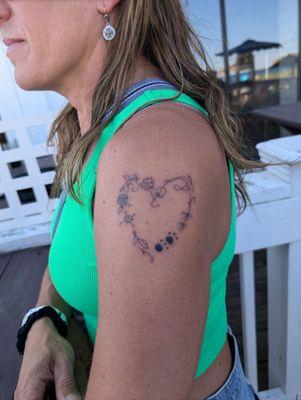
122	199
147	183
131	182
131	178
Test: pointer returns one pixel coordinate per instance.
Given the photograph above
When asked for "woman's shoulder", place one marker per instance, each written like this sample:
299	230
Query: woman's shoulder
174	149
166	126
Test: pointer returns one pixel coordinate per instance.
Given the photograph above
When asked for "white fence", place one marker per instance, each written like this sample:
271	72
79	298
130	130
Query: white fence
26	164
274	223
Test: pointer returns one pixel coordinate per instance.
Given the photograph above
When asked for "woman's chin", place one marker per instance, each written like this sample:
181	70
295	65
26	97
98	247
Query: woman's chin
28	81
25	83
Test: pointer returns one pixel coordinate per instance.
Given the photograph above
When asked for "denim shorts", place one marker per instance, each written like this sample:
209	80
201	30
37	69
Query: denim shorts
237	385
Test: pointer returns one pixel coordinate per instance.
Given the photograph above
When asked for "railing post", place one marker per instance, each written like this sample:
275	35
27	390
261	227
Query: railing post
293	349
247	294
277	263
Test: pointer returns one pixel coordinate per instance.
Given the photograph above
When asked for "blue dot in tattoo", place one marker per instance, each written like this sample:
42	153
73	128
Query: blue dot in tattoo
169	239
158	247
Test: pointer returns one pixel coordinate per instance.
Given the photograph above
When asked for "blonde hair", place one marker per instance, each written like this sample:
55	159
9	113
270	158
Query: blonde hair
160	31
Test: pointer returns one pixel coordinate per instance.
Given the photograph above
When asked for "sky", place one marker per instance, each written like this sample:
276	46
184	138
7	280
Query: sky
263	20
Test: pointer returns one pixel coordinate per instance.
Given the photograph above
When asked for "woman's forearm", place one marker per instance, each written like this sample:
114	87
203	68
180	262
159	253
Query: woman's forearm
49	295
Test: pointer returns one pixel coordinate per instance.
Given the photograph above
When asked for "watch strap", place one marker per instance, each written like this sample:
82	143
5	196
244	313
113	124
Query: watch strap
42	311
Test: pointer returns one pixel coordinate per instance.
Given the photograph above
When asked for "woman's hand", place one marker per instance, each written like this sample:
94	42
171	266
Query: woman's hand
83	350
48	357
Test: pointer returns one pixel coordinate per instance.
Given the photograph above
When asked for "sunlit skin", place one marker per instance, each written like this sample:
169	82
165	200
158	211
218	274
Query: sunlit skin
64	49
64	52
174	282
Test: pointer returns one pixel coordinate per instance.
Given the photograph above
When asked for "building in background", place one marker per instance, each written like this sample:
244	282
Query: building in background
260	63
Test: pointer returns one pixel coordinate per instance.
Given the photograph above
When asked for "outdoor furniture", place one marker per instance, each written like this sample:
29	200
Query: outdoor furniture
287	115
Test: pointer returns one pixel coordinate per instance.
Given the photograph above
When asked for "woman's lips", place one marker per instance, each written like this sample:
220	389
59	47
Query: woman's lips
12	47
7	41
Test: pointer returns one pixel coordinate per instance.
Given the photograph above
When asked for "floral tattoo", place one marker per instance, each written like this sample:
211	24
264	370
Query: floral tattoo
133	184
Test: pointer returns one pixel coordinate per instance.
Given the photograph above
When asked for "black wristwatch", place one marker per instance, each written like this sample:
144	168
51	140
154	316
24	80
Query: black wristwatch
58	318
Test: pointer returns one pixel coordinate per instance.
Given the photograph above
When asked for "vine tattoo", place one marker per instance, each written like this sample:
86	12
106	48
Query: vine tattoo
134	184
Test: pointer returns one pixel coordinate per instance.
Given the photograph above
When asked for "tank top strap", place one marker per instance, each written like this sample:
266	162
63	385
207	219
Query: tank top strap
141	95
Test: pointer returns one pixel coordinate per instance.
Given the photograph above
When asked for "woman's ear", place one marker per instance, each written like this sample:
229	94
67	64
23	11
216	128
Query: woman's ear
106	5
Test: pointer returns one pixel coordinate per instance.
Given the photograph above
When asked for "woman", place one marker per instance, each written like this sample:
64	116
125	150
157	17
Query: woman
144	231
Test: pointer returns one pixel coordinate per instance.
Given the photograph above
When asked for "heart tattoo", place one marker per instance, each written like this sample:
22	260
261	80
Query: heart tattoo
134	184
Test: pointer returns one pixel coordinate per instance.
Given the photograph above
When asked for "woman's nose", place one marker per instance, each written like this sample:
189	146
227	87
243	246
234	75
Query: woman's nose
5	12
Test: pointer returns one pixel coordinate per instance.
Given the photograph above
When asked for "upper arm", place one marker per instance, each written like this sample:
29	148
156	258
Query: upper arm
155	187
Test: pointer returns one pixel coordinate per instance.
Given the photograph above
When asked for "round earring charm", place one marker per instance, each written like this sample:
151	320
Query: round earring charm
108	31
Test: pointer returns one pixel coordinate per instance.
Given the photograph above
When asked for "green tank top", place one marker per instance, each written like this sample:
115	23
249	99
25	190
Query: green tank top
72	257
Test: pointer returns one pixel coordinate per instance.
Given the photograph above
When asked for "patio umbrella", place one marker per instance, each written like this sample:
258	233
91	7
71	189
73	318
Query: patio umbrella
244	53
249	46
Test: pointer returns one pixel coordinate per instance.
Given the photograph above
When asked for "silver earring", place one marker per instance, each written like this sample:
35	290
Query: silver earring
108	31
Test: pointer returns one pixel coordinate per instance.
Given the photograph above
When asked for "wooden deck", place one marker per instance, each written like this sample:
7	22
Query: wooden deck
20	278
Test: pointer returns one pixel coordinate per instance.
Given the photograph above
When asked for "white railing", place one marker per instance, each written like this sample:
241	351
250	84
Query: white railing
26	164
26	174
274	223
